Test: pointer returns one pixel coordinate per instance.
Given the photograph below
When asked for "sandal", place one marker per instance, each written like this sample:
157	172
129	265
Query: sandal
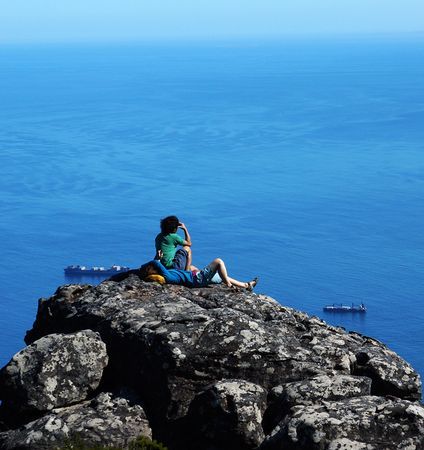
252	284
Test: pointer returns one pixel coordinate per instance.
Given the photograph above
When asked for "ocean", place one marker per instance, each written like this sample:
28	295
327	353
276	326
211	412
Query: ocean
300	161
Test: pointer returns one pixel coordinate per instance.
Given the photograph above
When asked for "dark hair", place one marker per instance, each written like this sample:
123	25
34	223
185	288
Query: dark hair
143	271
169	224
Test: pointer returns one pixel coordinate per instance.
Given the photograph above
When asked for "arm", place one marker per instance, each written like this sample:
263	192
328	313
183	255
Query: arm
187	238
158	255
171	276
160	268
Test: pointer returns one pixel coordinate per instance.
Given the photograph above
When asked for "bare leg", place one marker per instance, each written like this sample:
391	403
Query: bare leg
238	283
189	265
219	265
247	285
189	257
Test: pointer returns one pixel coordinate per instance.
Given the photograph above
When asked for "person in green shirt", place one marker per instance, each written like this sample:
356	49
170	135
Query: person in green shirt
168	241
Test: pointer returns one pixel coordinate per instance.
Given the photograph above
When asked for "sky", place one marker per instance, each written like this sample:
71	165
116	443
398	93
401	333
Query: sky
135	20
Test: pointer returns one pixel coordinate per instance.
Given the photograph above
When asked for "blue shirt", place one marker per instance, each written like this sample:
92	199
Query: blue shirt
174	276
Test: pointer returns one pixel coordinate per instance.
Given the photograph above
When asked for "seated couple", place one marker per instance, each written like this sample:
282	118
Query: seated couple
174	265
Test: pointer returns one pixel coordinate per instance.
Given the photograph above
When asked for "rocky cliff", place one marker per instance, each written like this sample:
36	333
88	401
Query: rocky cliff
204	369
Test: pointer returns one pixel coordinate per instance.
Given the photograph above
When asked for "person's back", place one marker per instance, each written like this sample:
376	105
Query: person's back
167	242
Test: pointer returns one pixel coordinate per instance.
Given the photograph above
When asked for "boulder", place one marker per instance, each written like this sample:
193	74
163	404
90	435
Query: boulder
312	391
227	415
324	387
368	422
105	420
54	371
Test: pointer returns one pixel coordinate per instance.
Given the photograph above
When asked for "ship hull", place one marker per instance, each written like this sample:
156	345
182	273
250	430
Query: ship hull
78	272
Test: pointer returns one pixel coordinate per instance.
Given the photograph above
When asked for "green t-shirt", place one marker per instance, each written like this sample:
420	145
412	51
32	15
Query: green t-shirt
168	244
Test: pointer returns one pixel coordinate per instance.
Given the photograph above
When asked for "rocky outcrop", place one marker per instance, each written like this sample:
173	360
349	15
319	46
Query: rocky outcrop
217	370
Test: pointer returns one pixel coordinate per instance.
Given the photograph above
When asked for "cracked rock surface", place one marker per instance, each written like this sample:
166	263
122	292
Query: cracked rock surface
372	423
239	366
106	420
229	414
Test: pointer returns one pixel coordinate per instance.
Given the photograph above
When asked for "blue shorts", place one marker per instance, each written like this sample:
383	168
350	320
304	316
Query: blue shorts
207	276
180	259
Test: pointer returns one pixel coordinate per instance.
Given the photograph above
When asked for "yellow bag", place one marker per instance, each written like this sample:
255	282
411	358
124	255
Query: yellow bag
158	278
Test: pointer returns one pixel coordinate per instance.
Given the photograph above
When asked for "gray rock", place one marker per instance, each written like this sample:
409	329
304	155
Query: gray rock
173	346
106	420
372	423
313	391
54	371
317	389
227	415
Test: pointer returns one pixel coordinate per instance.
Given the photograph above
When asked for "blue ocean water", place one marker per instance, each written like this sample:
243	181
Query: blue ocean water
301	162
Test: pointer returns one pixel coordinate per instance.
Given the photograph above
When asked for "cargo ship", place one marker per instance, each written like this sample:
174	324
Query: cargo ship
345	308
103	271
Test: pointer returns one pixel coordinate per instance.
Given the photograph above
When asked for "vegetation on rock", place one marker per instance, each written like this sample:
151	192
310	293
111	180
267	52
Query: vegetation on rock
141	443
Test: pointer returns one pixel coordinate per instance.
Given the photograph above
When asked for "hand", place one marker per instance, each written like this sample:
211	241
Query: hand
181	225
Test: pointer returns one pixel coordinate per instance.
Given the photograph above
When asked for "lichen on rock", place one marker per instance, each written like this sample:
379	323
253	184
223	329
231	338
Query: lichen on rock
227	370
105	420
55	370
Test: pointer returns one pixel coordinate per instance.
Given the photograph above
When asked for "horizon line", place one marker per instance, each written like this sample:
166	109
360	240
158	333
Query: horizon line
214	39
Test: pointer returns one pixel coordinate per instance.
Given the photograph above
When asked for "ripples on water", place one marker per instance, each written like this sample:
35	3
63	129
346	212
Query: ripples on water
301	163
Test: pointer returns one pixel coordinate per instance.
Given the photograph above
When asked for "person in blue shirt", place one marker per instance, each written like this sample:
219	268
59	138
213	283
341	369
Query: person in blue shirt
213	273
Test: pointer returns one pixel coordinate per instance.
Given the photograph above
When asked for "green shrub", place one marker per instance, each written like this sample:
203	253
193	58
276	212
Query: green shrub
141	443
144	443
